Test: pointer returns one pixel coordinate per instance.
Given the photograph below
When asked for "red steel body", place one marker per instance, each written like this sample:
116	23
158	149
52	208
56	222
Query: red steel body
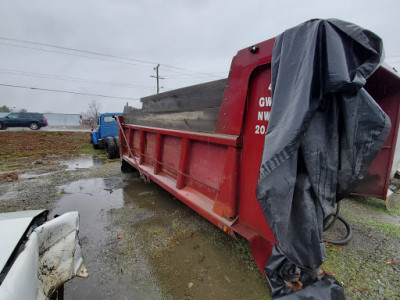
384	87
216	173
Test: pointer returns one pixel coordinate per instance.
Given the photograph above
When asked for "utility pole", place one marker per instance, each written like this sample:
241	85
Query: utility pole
158	78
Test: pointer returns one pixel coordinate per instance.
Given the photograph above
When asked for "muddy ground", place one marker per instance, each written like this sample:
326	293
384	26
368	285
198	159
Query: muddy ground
139	242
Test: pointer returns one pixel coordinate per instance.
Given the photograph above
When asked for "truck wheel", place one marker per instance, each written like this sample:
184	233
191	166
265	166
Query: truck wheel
2	126
127	168
111	148
34	126
116	140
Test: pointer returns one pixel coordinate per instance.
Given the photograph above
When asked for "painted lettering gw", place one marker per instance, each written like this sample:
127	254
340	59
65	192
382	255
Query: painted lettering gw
265	102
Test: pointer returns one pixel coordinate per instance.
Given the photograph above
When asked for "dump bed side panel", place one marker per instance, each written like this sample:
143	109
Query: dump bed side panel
192	98
384	87
193	108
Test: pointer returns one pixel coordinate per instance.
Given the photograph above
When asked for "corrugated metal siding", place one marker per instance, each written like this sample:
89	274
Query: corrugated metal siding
63	119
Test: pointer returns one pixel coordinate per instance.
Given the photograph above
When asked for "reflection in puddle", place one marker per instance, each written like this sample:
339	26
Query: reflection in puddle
72	164
92	198
83	162
139	242
78	163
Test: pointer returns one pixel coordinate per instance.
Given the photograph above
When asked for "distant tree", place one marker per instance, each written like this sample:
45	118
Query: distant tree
94	110
23	110
5	109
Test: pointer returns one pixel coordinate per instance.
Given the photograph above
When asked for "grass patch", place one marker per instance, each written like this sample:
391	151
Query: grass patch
46	133
30	153
362	277
373	224
386	228
87	149
371	203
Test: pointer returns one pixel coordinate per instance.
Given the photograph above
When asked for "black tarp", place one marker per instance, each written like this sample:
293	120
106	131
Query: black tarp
323	133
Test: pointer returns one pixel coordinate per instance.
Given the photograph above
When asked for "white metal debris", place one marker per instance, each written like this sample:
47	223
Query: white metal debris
51	257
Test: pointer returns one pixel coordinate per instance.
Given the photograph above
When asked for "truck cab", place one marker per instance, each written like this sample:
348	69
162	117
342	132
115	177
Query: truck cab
105	136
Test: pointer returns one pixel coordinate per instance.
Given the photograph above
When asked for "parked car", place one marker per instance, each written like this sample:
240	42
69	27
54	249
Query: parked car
105	136
32	120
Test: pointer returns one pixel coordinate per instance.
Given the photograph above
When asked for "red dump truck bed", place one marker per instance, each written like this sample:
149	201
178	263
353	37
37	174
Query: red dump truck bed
208	153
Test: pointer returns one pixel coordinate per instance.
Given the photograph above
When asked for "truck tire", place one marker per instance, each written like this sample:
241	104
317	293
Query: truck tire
2	126
111	148
116	140
34	126
127	168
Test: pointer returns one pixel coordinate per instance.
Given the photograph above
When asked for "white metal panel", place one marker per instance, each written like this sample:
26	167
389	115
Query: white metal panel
51	256
12	227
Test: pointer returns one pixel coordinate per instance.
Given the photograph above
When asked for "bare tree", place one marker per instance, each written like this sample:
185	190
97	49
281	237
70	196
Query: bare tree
5	109
94	110
23	110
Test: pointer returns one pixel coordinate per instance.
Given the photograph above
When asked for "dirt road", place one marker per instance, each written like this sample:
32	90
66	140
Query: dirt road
139	242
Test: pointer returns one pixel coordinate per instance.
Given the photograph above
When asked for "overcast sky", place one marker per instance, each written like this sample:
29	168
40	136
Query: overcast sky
193	40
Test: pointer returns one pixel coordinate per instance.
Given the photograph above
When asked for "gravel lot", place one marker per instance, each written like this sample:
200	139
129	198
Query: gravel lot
140	242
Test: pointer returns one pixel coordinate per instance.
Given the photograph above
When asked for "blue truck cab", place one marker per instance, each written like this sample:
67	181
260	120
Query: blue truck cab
105	136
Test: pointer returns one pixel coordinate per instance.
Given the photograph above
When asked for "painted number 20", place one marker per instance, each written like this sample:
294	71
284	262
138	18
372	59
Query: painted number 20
260	129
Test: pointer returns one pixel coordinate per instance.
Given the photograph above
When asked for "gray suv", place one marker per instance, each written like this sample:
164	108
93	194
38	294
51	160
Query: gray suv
32	120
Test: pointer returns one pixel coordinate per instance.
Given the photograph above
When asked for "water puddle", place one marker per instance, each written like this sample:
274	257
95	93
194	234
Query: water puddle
83	162
139	242
92	198
78	163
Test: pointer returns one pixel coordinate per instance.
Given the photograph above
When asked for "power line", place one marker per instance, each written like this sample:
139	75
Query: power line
108	60
186	76
99	54
178	76
76	50
74	54
68	92
76	79
192	75
187	70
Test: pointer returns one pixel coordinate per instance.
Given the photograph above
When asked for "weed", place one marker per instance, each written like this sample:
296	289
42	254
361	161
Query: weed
86	149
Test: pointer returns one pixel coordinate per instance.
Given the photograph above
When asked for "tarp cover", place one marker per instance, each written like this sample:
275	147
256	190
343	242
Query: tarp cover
324	131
